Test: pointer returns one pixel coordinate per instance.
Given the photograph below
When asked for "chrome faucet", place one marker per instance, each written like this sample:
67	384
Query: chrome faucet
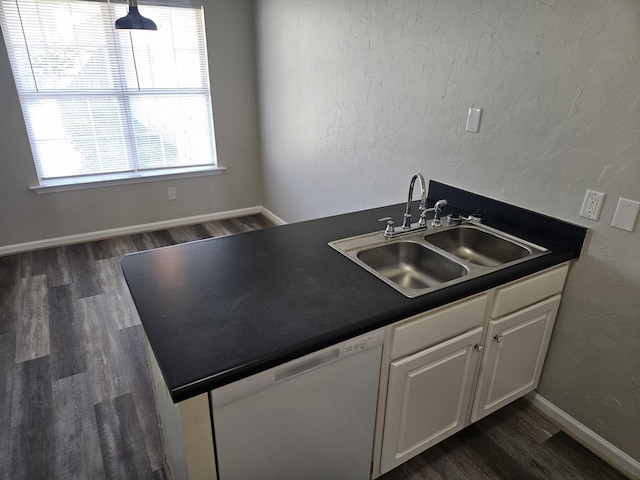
406	222
437	212
391	232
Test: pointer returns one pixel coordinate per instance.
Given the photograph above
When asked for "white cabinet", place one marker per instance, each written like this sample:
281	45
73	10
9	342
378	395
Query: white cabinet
433	361
514	353
429	394
459	363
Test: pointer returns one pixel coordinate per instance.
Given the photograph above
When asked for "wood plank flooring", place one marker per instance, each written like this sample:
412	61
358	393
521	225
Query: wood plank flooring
75	394
514	443
76	399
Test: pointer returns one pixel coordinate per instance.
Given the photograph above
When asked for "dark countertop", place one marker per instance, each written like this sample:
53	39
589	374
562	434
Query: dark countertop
220	309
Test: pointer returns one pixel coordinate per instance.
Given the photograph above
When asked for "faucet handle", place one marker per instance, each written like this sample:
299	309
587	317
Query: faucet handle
422	221
437	211
389	231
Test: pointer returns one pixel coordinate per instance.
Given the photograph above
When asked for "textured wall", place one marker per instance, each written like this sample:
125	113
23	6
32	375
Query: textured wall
357	95
26	216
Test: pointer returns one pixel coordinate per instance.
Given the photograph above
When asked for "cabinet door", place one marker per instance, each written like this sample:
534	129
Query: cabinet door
428	397
514	353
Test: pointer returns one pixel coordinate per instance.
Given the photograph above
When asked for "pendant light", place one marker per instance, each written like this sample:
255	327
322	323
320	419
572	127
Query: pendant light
134	21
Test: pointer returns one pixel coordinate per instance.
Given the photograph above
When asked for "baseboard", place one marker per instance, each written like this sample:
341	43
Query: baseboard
132	229
272	216
586	437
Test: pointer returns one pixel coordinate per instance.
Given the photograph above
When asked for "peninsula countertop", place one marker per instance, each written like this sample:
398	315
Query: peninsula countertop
220	309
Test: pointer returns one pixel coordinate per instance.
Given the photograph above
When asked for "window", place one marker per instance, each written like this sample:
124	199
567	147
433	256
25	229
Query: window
104	104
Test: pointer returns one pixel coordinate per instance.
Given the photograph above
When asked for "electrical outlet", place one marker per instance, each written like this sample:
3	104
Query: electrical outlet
592	205
172	193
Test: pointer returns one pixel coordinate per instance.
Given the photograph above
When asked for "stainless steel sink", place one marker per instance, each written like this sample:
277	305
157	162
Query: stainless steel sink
410	265
476	246
424	260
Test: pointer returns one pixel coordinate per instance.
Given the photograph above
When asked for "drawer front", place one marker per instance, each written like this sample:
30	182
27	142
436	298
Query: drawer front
528	291
427	329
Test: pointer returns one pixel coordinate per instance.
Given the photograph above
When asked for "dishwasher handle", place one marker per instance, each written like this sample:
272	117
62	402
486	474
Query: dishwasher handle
306	364
253	384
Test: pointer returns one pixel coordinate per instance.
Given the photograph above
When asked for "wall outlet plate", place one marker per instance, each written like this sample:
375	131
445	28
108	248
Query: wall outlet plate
626	214
592	205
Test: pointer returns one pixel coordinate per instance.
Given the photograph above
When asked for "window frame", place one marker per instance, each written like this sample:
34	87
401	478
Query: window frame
138	174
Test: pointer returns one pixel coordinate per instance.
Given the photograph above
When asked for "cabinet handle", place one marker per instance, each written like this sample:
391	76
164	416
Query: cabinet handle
498	338
478	347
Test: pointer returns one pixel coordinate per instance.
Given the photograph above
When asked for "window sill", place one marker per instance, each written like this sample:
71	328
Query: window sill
97	181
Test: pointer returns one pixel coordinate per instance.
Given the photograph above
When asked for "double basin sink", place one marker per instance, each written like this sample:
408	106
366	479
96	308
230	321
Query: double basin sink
424	260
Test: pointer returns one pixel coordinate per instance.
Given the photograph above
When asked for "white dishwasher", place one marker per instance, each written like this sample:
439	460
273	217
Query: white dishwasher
309	419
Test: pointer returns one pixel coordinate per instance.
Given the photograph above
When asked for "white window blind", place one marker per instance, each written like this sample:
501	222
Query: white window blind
100	101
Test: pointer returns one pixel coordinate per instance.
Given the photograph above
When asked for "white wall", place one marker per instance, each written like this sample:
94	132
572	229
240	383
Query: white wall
28	217
357	95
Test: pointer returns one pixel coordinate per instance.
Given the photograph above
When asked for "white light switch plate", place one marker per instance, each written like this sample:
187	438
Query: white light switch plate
473	120
626	214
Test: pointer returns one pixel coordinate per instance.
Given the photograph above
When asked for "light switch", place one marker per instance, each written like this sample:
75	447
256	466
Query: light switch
626	214
473	120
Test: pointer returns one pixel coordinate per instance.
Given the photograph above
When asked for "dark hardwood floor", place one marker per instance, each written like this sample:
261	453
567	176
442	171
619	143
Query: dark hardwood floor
75	394
76	400
514	443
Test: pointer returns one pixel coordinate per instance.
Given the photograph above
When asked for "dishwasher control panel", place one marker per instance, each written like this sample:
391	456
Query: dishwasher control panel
358	344
295	368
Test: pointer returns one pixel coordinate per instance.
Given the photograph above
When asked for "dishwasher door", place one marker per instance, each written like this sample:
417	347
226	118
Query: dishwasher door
312	418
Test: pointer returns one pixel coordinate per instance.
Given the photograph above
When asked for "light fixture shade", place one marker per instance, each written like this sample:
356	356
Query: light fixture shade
134	21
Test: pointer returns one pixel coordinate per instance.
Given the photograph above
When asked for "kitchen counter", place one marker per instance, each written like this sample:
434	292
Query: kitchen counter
221	309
